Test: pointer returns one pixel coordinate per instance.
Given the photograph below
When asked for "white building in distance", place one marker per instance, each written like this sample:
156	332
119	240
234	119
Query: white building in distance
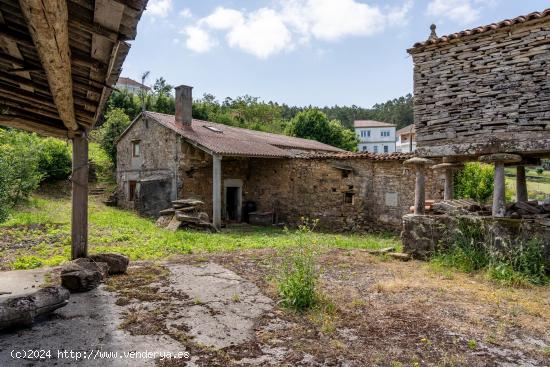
375	136
131	85
406	139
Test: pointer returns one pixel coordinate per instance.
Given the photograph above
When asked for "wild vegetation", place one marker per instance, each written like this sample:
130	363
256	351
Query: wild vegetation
41	228
517	261
474	181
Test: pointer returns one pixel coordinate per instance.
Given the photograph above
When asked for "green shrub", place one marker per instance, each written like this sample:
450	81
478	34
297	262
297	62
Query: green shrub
102	162
19	163
298	274
540	171
54	159
474	181
298	280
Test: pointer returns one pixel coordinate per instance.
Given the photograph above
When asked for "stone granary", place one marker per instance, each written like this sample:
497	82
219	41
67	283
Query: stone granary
162	158
484	95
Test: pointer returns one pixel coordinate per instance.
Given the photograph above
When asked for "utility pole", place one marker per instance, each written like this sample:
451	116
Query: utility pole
143	77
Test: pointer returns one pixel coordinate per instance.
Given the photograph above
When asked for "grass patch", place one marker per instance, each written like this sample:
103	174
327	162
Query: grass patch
47	220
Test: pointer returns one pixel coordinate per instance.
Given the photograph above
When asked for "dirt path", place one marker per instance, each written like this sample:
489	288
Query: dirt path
221	308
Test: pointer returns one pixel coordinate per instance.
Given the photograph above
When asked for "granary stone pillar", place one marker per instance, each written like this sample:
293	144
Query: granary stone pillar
499	186
217	191
449	169
420	184
521	185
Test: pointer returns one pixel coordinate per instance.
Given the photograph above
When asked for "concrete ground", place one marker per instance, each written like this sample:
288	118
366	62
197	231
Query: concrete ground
90	323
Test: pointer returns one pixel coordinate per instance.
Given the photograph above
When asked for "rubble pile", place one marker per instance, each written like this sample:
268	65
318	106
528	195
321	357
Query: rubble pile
185	213
517	210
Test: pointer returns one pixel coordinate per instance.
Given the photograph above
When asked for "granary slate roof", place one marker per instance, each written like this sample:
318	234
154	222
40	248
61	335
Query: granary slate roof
233	141
371	123
482	29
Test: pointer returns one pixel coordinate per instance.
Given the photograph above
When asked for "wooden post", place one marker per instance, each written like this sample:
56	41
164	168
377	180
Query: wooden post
521	185
499	199
79	178
216	191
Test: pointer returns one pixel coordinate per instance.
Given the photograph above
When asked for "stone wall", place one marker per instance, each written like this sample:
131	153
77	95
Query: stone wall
424	234
484	93
344	194
157	165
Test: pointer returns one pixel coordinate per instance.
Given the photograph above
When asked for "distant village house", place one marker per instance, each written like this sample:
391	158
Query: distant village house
131	85
406	139
375	136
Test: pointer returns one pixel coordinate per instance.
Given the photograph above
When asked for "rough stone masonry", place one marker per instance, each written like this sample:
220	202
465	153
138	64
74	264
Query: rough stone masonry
485	90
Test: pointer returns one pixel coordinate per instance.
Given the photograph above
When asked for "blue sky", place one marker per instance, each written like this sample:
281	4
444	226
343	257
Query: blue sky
300	52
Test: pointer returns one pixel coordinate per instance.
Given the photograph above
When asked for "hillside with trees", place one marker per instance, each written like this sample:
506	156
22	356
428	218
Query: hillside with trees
331	125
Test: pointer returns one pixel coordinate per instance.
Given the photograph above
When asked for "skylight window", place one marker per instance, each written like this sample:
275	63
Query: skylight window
214	129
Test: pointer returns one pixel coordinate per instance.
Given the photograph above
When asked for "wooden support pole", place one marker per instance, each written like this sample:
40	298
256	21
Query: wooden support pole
420	191
521	185
216	191
79	178
499	199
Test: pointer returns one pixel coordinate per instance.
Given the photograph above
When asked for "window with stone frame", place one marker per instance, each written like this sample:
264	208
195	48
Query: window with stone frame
136	148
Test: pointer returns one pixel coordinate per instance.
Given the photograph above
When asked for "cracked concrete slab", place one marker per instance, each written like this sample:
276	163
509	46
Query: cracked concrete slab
225	306
89	323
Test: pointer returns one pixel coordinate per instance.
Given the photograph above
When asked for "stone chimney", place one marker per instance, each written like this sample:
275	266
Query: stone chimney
184	106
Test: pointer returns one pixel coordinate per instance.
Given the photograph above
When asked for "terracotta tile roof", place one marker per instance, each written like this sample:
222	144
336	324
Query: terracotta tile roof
371	123
228	140
352	155
406	130
482	29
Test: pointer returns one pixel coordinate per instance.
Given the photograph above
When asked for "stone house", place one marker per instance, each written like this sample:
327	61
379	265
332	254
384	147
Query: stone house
163	157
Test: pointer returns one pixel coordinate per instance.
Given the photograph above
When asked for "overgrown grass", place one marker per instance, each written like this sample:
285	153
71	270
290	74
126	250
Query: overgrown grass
46	223
517	264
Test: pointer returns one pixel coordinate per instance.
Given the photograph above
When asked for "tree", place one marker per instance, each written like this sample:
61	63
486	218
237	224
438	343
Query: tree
54	159
474	181
19	174
116	121
130	103
314	124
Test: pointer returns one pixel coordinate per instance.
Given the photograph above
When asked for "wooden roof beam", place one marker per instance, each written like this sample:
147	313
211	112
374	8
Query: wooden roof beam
31	125
48	26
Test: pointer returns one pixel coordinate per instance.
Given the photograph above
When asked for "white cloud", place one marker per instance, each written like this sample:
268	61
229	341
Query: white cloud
271	30
159	8
262	34
198	39
223	18
185	13
459	11
398	15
